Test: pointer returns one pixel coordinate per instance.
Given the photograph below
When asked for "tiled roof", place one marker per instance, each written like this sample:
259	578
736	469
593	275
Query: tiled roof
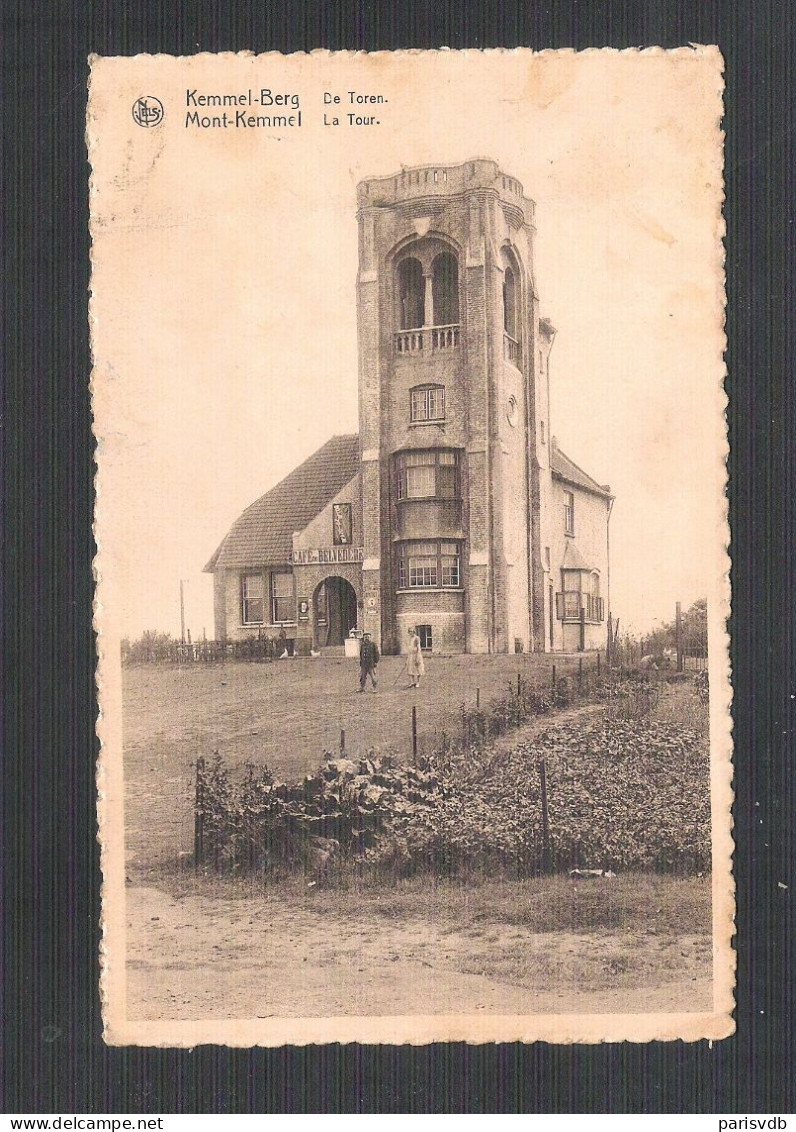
263	535
565	469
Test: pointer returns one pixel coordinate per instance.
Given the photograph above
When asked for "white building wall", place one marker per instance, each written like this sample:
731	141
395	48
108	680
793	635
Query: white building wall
588	545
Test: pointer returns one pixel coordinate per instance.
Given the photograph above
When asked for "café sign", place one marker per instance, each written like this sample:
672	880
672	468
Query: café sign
326	555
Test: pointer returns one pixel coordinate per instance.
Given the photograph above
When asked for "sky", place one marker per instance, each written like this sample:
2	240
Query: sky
223	294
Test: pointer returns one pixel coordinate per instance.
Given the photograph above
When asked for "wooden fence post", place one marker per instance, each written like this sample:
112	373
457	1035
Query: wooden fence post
198	815
342	742
554	681
545	818
580	675
598	665
478	699
678	635
414	733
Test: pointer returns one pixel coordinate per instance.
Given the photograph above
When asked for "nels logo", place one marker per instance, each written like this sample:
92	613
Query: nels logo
148	111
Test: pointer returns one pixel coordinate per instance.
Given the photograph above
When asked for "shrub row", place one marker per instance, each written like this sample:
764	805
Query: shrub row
621	794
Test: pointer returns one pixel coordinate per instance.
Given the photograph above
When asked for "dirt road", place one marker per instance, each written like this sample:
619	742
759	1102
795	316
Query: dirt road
193	957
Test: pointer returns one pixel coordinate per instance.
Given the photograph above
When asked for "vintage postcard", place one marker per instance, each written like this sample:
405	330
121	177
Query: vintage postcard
412	571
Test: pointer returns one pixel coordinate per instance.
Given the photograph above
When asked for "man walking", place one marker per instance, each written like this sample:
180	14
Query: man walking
368	659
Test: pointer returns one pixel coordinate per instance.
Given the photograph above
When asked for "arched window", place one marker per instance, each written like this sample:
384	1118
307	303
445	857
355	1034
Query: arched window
426	298
594	602
410	293
510	304
445	289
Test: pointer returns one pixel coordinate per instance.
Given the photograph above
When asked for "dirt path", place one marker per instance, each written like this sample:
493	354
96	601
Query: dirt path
201	958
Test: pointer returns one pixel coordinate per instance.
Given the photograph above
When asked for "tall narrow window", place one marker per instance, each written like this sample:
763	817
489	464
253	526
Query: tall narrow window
281	597
410	293
445	289
449	561
594	605
252	593
420	478
569	606
446	475
510	304
569	512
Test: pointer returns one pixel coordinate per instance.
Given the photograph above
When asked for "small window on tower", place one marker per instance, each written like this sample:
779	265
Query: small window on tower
427	403
541	430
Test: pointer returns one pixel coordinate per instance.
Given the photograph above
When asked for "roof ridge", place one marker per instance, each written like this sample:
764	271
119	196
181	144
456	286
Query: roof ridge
261	529
604	488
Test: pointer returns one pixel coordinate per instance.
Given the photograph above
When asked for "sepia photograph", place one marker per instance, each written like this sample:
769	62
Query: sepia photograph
412	571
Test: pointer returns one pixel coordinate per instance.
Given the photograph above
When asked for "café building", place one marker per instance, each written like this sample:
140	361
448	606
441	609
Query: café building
453	510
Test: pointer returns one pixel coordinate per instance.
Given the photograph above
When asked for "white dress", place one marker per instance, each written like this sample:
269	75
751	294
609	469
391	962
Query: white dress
414	664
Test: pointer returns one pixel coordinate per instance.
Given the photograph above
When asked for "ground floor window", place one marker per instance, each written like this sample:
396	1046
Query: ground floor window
429	565
281	596
426	639
252	594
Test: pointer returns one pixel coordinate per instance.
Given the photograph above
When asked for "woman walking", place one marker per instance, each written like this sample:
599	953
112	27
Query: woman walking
414	664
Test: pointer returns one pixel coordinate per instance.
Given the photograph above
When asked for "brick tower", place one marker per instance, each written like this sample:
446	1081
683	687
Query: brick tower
453	411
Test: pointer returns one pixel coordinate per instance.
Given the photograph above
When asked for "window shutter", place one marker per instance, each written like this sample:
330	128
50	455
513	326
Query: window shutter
560	607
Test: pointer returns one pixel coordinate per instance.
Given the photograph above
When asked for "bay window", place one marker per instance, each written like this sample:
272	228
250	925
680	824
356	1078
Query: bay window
426	475
580	590
429	565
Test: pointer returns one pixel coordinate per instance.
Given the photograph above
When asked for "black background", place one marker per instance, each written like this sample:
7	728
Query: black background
54	1058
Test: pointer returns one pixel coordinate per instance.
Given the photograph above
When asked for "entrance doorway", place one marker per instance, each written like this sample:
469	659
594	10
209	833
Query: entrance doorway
335	603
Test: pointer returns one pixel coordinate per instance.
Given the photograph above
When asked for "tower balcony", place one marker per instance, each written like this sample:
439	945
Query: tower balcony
511	350
426	340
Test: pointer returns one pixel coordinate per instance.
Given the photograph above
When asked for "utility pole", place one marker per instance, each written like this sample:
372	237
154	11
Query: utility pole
182	611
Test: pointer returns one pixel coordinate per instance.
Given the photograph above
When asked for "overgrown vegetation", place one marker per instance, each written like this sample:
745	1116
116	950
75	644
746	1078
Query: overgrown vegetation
623	792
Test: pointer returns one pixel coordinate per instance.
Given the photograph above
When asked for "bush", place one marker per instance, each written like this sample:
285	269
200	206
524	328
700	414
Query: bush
256	823
622	794
633	698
